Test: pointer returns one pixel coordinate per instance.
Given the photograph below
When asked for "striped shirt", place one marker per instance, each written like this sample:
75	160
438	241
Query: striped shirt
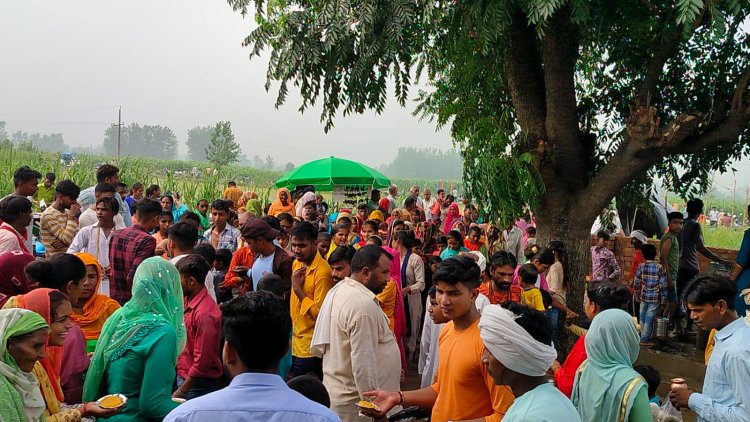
56	226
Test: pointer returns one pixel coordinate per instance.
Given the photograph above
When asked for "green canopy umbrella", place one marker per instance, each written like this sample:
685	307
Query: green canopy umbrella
326	173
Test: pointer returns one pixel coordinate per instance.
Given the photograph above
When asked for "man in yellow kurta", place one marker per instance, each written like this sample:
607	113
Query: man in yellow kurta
311	281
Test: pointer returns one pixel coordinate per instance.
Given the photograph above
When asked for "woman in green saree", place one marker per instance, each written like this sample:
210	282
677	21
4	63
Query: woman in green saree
137	351
607	388
23	338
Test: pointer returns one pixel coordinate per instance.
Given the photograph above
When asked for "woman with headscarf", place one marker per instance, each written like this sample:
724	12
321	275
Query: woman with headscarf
347	219
64	272
23	335
395	226
139	344
254	207
92	309
494	241
451	217
283	203
607	388
377	215
598	298
384	206
246	197
305	198
54	307
13	280
412	284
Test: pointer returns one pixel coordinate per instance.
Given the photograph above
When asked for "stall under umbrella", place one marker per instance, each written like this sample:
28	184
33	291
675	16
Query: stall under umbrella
328	174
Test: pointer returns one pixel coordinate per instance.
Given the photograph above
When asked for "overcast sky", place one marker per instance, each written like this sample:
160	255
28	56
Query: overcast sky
67	66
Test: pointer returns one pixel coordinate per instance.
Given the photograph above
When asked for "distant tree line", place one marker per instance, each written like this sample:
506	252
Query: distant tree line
425	163
45	141
151	140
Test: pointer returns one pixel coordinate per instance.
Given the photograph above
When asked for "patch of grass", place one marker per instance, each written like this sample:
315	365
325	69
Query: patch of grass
722	237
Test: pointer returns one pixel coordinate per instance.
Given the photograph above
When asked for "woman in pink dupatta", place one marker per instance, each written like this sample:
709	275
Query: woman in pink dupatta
399	328
452	215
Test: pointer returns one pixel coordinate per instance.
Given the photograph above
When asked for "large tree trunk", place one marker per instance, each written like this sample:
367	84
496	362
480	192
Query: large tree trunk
553	223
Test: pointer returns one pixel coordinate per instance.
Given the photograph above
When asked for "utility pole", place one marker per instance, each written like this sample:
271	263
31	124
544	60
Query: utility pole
746	219
119	133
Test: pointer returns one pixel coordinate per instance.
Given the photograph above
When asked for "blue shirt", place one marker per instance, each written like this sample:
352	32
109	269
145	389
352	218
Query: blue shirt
726	394
252	397
450	253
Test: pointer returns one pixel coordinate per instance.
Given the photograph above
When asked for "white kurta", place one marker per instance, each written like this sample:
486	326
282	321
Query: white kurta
362	354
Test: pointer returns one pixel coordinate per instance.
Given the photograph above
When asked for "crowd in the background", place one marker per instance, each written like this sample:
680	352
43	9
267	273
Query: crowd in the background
231	309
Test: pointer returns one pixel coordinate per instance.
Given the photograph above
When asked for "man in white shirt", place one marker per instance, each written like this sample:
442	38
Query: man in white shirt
415	194
94	238
514	241
428	201
352	336
110	175
392	193
89	215
181	240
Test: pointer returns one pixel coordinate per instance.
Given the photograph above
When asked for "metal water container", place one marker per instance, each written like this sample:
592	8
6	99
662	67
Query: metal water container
661	326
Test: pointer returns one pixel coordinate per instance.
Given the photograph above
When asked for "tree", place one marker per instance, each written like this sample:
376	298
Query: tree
289	166
222	150
425	163
563	104
198	139
257	162
48	141
269	163
149	140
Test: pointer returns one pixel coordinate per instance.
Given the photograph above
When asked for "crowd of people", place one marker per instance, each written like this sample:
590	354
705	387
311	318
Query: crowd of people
230	309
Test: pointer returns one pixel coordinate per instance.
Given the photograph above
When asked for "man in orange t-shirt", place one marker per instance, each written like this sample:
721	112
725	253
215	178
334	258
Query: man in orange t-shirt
464	389
502	267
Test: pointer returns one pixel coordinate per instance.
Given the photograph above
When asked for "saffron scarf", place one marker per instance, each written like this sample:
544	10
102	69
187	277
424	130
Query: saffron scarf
277	207
20	397
97	308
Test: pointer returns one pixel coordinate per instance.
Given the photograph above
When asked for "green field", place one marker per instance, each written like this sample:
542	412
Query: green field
165	173
722	237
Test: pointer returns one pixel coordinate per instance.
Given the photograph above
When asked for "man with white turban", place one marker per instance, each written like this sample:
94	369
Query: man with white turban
518	353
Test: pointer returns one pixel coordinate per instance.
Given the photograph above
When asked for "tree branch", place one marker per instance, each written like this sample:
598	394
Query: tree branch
664	49
559	54
680	137
523	67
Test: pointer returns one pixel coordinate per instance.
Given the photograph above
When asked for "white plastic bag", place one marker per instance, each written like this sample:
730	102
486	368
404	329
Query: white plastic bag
669	413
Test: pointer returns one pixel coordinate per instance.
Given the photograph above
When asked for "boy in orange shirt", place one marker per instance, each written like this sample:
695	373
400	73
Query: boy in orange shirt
463	389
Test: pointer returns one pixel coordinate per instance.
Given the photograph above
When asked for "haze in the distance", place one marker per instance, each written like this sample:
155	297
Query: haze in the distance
67	65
